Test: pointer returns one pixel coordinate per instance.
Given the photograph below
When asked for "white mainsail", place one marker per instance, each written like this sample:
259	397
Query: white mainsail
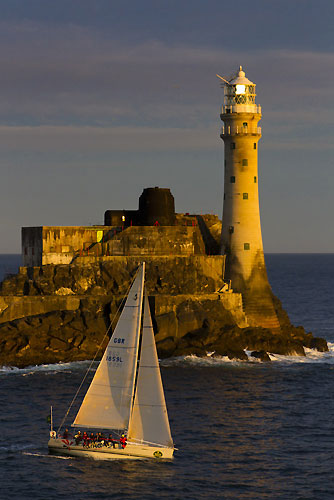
149	418
107	403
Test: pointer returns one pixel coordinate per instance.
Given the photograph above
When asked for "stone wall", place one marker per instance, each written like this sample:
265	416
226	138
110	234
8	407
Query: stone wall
58	244
173	275
191	235
32	246
13	308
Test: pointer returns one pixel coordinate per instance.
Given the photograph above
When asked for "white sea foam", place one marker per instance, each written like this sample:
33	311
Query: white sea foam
312	356
49	369
191	359
46	455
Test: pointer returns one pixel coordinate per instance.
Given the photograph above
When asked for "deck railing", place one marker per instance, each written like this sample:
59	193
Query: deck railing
228	130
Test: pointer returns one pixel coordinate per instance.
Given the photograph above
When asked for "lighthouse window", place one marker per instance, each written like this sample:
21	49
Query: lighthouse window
254	145
254	179
232	179
246	246
245	124
245	196
224	196
245	163
232	145
225	163
231	229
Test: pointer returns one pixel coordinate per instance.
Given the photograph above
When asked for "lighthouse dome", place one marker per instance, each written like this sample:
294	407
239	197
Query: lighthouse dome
240	78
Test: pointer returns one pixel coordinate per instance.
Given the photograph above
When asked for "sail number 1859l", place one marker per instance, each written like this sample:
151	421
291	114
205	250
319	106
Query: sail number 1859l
114	358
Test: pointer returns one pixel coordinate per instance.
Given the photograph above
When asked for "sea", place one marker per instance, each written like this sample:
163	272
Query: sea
243	430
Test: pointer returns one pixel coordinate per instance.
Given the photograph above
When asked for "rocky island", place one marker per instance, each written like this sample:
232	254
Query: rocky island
60	309
206	279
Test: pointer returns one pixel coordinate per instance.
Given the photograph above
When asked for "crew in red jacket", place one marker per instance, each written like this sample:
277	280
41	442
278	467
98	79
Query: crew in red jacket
123	441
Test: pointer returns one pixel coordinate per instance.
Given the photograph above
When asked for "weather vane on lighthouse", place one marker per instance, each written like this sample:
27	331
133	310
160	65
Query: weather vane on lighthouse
241	239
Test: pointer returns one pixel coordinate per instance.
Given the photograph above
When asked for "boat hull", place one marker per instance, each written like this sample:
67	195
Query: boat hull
97	451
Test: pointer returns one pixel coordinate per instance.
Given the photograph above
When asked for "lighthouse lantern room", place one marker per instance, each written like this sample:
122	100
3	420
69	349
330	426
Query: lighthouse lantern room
239	94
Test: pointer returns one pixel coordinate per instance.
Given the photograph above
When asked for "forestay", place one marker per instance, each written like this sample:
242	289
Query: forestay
149	419
108	400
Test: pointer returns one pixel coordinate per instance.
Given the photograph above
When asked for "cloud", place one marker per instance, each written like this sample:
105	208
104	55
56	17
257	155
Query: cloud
71	139
66	74
76	87
138	100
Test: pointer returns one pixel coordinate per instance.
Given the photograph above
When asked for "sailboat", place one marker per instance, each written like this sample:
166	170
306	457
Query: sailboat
126	394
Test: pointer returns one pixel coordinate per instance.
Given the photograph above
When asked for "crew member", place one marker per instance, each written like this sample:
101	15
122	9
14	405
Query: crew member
85	438
78	437
123	441
111	441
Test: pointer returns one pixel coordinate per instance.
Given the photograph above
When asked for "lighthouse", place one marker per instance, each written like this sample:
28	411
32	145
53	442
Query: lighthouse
241	239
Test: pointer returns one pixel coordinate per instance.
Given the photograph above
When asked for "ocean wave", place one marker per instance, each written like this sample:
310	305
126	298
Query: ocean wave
48	369
312	356
46	455
13	448
192	359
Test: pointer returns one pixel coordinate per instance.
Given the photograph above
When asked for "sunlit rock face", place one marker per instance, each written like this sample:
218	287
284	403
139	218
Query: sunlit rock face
61	313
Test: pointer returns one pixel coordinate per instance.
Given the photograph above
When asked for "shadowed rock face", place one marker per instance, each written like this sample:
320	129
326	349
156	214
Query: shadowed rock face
218	333
261	355
232	342
61	313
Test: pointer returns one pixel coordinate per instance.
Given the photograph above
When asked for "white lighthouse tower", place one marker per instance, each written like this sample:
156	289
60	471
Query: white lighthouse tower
241	232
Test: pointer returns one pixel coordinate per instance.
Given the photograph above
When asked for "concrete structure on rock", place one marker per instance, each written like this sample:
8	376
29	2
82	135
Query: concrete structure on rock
241	240
156	207
152	230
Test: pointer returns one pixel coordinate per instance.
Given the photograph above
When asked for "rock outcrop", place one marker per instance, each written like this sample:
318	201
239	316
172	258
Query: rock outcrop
62	312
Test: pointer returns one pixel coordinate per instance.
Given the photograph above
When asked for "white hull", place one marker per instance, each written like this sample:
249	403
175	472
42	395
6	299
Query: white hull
131	451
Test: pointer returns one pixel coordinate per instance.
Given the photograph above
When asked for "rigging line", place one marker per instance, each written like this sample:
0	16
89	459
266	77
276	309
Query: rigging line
98	350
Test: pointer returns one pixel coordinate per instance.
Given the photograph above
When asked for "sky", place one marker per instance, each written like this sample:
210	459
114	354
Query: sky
100	99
